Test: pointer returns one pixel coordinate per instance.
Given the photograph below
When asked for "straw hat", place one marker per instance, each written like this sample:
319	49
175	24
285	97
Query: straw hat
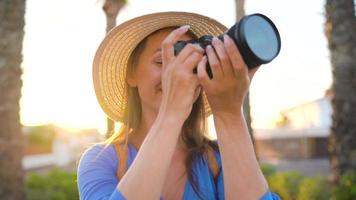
112	56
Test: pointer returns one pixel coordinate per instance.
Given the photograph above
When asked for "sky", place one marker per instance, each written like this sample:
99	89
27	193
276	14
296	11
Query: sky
61	37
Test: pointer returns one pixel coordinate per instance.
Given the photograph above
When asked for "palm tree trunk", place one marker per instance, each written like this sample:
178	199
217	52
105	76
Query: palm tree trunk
240	12
11	139
111	9
240	9
340	29
247	114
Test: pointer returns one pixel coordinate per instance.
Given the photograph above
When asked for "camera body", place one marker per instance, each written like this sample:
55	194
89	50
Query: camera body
203	42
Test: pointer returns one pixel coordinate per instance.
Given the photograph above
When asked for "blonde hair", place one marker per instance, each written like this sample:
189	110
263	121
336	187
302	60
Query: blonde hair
194	134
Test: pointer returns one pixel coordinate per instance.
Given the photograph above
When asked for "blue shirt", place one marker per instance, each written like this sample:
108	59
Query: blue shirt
97	178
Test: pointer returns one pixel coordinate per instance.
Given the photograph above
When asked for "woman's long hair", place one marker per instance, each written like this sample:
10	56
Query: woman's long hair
194	134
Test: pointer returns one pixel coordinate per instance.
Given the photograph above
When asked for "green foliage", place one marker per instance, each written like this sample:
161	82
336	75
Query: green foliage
346	189
56	185
60	185
41	135
268	170
292	185
314	188
285	184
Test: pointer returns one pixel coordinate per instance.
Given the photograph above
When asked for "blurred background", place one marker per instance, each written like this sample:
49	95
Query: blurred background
301	109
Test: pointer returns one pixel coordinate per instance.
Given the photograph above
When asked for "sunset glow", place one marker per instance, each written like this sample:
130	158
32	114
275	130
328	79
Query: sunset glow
61	40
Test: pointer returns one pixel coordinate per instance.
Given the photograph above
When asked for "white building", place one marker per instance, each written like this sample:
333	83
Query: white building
66	148
301	132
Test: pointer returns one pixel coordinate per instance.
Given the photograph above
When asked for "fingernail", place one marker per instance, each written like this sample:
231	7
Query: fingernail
184	28
208	48
226	38
215	39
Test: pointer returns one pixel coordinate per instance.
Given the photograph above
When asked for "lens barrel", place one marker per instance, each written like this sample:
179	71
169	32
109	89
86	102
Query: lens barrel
257	38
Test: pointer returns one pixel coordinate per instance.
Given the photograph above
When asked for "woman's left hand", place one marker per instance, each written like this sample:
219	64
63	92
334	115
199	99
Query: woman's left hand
231	78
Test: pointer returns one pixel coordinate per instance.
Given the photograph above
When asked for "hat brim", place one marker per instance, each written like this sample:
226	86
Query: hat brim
111	59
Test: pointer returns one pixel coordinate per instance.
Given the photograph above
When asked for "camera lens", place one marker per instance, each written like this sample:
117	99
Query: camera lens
257	39
261	38
255	36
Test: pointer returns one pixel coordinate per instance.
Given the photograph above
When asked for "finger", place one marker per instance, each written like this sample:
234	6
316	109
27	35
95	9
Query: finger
169	41
214	62
192	61
188	50
225	62
233	52
202	74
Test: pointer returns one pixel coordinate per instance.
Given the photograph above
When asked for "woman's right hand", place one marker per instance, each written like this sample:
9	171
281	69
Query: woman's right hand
180	86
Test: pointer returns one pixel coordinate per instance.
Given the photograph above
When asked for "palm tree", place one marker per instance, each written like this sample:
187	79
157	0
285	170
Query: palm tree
340	30
112	9
240	9
11	139
240	12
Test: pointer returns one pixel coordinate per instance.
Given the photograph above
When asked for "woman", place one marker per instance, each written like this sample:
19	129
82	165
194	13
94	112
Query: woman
162	150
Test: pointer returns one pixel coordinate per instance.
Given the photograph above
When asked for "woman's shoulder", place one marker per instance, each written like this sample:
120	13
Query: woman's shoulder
99	150
98	155
96	175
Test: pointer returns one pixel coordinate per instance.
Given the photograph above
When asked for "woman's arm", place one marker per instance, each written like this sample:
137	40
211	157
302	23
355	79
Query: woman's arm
146	176
243	178
226	91
97	167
